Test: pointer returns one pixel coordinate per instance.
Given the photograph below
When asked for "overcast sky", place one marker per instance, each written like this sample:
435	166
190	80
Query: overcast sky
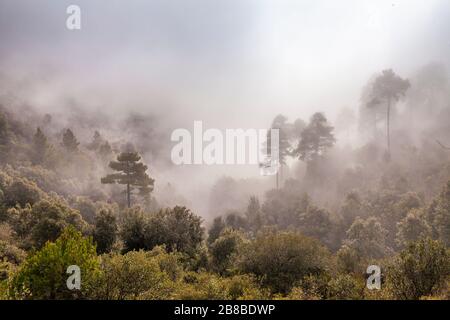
227	62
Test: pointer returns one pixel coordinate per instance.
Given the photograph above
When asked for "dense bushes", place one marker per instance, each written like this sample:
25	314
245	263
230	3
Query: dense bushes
224	250
178	228
134	275
44	221
105	230
419	270
274	265
125	260
280	260
43	274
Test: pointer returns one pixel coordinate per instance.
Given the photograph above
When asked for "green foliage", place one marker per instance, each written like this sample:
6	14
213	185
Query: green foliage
282	207
245	287
236	221
412	227
207	286
420	270
351	209
45	189
349	261
105	230
11	253
86	207
216	229
202	286
224	250
43	274
316	223
345	287
297	293
279	260
44	221
438	215
315	139
21	192
332	287
134	275
178	228
132	230
367	238
254	214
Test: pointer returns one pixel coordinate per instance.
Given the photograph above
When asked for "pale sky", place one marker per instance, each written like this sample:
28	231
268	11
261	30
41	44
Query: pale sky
230	63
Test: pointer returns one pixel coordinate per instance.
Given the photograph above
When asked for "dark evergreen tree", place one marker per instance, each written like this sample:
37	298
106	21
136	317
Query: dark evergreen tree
284	147
131	173
253	214
105	230
70	142
40	147
216	229
315	139
388	88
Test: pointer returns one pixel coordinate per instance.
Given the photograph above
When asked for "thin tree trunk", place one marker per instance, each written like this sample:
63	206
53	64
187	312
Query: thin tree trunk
128	186
388	126
128	195
277	183
375	126
280	179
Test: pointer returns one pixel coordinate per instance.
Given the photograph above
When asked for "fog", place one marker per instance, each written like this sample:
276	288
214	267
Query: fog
230	64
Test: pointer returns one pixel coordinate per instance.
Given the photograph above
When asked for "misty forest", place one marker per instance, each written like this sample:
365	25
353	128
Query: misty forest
310	232
357	208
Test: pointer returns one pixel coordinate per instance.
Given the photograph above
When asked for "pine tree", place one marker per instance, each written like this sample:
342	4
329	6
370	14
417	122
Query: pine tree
131	173
315	139
253	214
40	147
388	88
70	142
284	147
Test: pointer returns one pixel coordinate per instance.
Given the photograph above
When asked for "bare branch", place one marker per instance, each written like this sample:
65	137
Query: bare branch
442	146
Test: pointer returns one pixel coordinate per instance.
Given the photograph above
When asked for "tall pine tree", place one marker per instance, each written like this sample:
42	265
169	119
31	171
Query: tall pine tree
132	173
40	147
315	140
388	88
284	147
70	142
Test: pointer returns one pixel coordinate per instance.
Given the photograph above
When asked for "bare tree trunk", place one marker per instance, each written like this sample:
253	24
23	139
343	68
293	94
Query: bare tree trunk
128	195
128	186
375	135
388	127
277	182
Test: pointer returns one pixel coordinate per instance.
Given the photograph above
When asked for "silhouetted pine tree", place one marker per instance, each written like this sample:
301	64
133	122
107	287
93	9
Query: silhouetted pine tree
132	173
